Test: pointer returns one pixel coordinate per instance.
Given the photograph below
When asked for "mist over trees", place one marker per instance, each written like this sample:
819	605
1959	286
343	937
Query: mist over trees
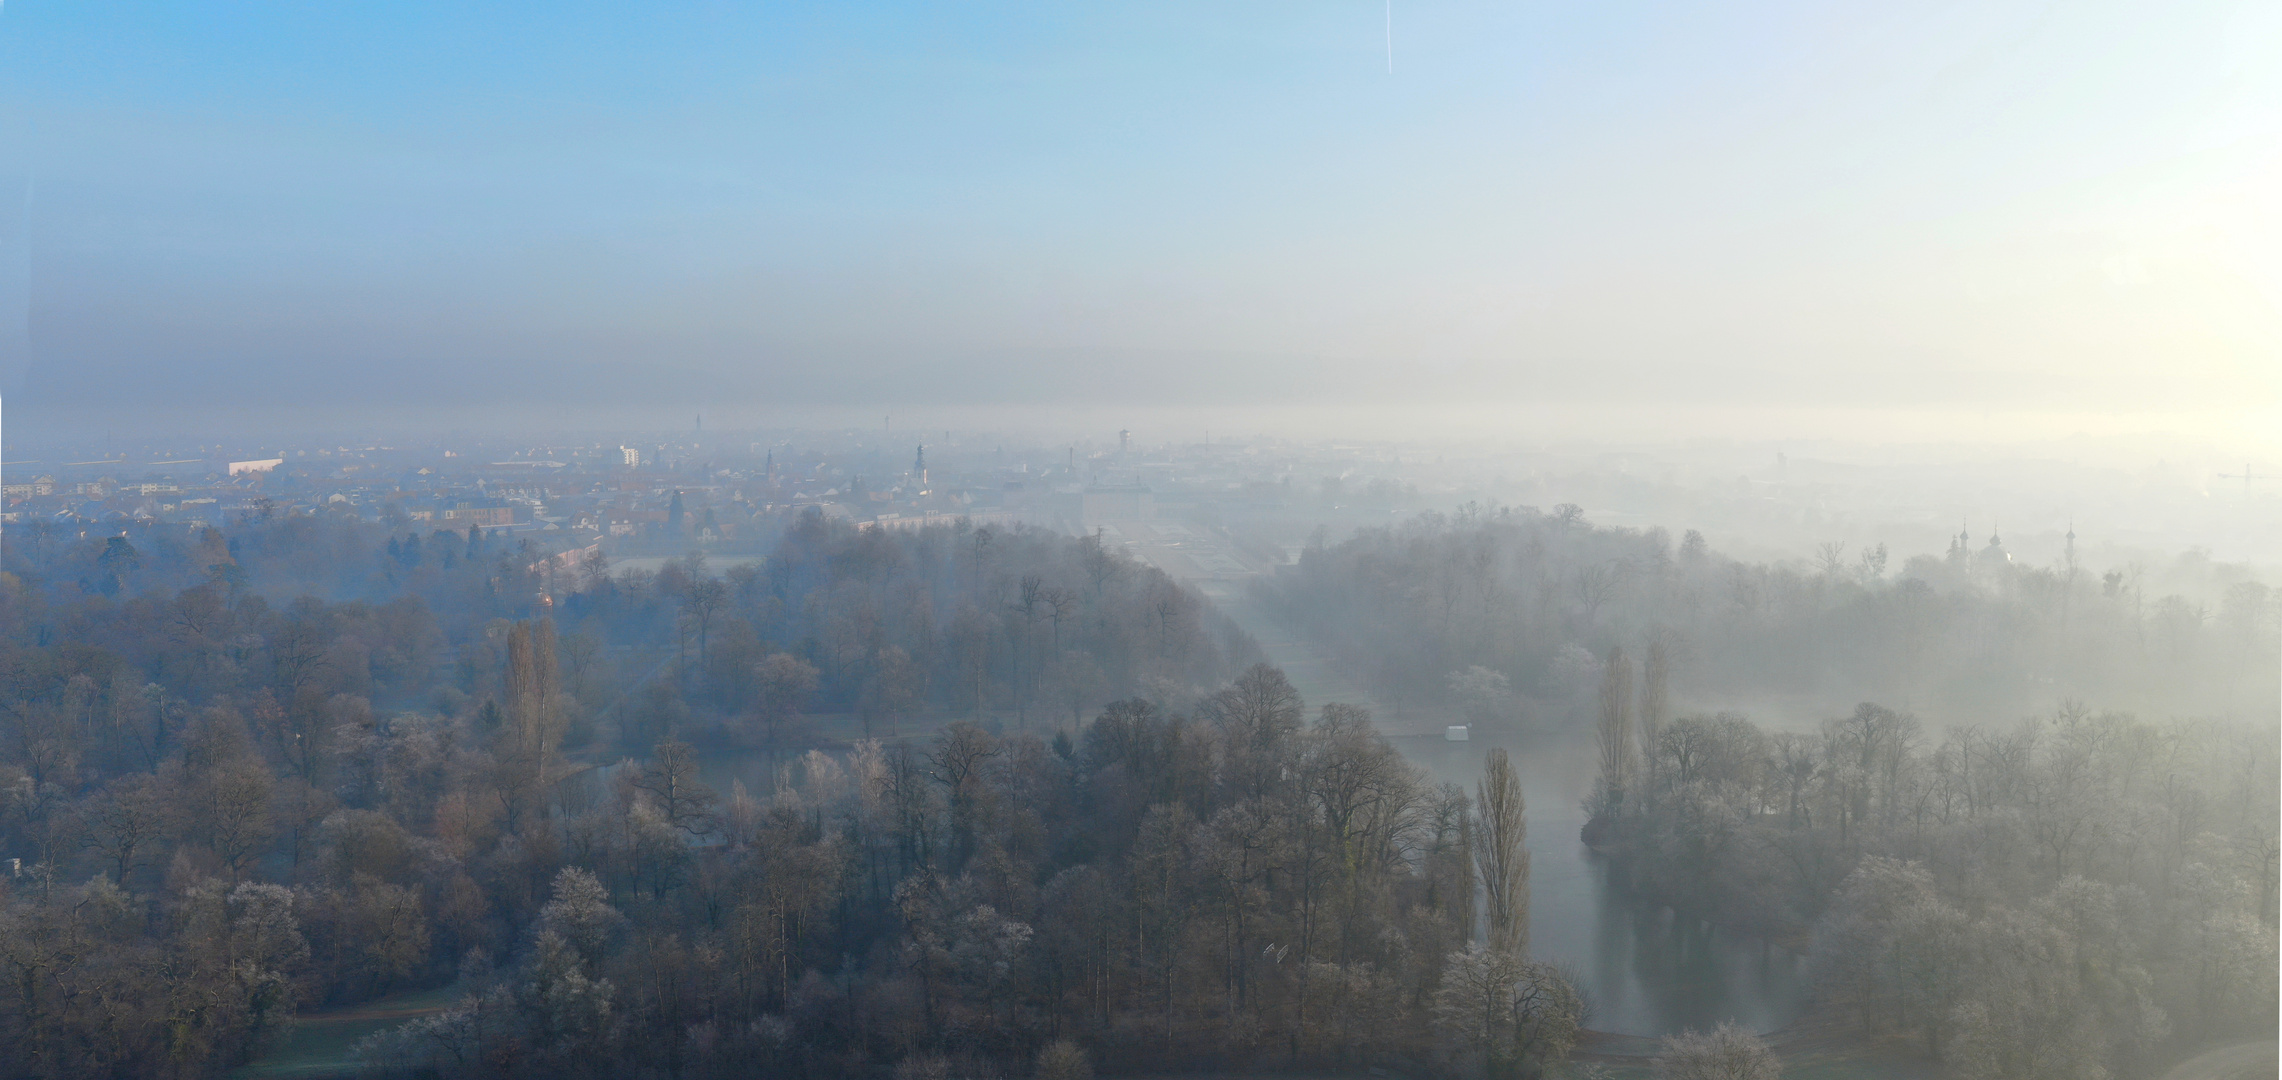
1539	598
1034	807
2061	896
2032	886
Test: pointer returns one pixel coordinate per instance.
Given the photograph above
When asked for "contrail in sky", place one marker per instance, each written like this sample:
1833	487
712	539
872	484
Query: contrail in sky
1390	36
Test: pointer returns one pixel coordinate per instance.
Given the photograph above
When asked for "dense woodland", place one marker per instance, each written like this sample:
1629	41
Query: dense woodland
227	805
877	624
1037	808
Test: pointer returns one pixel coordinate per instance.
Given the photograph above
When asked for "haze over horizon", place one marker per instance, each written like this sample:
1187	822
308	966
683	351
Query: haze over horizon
896	541
1988	222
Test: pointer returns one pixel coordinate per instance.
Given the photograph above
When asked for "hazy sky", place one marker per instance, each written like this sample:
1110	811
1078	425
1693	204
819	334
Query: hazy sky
2064	210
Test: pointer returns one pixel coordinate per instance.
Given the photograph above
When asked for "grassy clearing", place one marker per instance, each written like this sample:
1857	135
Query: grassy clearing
1819	1047
320	1043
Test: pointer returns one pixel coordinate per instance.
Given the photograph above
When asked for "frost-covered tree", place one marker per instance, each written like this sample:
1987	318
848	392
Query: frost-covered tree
1726	1052
1505	1014
580	912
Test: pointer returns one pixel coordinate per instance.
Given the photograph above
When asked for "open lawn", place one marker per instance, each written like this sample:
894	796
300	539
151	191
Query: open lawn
1813	1048
2241	1061
320	1043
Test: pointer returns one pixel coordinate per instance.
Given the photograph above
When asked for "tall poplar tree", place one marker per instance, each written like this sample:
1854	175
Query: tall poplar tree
1502	852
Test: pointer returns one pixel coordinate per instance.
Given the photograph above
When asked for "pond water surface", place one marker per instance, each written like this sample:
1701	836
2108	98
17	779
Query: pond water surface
1645	969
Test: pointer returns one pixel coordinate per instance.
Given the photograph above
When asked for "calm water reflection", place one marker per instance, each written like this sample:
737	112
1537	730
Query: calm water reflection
1652	972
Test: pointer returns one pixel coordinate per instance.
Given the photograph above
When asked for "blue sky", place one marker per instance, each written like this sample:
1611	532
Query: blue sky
2058	208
